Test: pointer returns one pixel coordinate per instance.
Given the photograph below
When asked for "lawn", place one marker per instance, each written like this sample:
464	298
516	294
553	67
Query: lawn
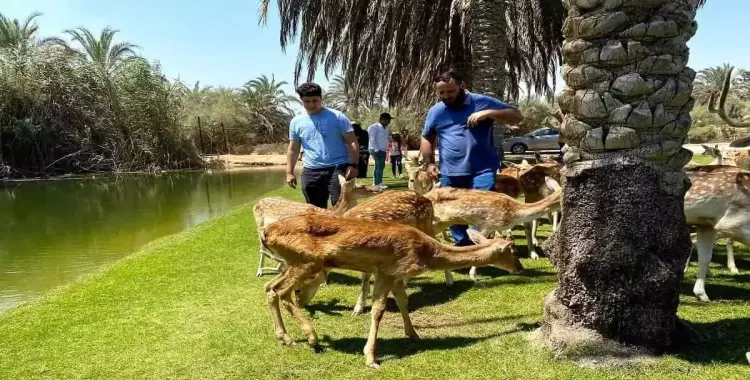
189	306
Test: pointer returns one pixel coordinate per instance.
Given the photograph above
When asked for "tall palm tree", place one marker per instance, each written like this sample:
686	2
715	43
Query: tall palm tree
20	35
395	47
710	81
102	51
268	106
341	96
622	246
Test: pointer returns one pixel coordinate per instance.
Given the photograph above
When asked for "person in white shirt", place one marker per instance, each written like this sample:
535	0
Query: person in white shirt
378	146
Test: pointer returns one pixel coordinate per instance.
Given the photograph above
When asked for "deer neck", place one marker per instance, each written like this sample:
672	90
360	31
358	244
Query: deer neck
530	211
346	202
449	257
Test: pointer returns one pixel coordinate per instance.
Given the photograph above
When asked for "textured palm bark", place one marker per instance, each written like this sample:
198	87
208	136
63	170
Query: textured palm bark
488	36
623	242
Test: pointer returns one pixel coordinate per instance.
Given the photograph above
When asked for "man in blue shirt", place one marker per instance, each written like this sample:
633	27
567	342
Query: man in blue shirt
331	148
462	125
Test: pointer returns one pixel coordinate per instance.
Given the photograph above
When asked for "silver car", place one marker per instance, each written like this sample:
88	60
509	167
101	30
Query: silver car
541	139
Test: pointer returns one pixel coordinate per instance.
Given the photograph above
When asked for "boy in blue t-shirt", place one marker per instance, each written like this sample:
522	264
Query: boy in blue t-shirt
331	148
462	125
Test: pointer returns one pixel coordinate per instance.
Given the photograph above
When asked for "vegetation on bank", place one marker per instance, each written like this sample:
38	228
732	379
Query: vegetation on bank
189	306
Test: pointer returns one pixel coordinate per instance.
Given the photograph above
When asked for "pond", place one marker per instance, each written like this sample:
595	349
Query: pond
52	232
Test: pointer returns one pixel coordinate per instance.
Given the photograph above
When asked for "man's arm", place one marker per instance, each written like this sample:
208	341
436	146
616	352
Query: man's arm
352	146
372	137
427	148
507	116
292	153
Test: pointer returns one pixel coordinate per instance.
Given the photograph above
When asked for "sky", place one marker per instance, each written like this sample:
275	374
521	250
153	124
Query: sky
221	43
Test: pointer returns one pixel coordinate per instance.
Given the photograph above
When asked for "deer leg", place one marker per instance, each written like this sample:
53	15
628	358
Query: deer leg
359	308
730	257
473	274
399	293
555	220
706	239
262	257
272	298
284	293
530	239
448	278
383	285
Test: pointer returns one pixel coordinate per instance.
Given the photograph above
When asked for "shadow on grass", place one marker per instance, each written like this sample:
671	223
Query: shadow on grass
402	347
332	307
721	342
468	322
343	279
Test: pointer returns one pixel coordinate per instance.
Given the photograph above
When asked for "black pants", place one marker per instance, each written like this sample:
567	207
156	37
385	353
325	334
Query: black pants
396	163
318	185
364	161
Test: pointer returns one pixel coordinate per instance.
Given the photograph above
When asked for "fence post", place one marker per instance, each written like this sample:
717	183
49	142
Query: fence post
226	144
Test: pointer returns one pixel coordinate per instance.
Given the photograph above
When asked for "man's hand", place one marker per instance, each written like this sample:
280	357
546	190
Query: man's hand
476	117
432	171
291	180
351	172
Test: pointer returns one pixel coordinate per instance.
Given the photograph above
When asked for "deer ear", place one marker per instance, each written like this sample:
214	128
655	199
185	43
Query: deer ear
476	236
554	185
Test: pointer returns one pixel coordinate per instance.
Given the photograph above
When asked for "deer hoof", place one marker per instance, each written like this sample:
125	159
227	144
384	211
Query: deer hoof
373	365
703	297
358	310
734	270
286	340
534	256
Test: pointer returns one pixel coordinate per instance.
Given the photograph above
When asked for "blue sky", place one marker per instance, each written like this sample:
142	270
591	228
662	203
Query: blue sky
220	42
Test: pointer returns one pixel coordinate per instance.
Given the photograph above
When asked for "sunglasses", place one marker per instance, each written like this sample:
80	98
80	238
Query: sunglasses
446	77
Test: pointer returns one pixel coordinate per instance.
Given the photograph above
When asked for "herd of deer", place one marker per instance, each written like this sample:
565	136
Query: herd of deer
393	234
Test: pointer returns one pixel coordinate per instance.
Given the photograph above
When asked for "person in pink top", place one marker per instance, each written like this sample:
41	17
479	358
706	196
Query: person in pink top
397	151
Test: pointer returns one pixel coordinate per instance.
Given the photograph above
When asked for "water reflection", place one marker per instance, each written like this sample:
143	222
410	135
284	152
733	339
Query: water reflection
52	232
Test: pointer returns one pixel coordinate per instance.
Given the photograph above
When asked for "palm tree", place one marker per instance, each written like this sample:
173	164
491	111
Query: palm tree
18	35
621	249
395	47
709	82
268	106
102	51
341	96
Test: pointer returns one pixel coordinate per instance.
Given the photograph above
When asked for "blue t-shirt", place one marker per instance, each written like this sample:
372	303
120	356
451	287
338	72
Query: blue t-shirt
322	138
464	151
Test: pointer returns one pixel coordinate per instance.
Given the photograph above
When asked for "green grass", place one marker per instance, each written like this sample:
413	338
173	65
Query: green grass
188	306
699	159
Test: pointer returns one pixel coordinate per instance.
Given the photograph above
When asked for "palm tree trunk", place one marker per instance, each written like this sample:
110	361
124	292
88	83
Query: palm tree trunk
487	38
621	249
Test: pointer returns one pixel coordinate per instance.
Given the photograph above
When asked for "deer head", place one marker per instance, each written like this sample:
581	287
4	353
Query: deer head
504	251
721	111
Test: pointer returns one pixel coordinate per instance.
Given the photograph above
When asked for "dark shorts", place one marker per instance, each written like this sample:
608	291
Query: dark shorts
319	185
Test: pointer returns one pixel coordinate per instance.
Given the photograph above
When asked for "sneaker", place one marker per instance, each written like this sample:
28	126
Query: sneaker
382	187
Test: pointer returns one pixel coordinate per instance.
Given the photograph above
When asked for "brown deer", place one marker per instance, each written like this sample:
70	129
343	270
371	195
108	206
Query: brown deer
269	210
534	187
717	203
310	244
488	210
400	206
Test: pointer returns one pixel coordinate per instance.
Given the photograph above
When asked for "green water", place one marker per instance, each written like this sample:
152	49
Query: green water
53	232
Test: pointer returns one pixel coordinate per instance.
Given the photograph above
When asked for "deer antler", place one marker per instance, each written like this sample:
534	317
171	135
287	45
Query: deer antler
722	104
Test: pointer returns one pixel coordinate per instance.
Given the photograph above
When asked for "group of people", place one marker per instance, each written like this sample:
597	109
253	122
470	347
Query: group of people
461	123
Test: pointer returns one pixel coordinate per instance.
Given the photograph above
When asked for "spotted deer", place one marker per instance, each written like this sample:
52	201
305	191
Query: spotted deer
400	206
717	203
310	244
534	187
269	210
489	211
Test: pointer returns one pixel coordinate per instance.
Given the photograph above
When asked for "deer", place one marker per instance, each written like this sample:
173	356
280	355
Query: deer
533	185
401	206
489	211
269	210
717	203
310	244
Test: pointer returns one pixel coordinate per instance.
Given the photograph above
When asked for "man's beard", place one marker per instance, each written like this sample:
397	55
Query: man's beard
458	102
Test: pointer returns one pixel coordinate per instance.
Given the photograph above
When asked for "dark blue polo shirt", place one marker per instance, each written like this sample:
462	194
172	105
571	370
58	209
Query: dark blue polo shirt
464	151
